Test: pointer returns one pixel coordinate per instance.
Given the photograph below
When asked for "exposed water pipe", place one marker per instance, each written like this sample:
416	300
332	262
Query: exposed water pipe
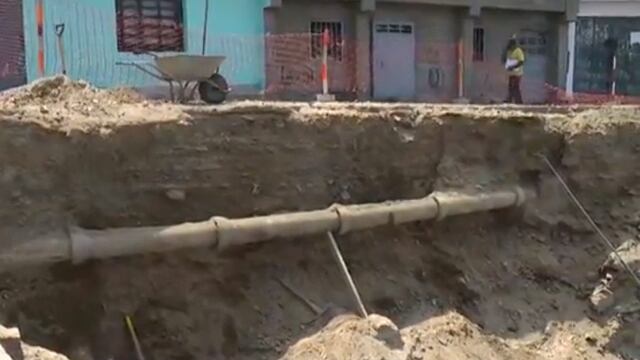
79	245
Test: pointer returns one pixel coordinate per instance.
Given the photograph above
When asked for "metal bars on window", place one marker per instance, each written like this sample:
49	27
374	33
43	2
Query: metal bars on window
316	29
394	28
478	44
150	25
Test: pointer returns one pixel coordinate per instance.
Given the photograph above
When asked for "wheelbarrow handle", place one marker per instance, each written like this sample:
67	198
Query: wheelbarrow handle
153	55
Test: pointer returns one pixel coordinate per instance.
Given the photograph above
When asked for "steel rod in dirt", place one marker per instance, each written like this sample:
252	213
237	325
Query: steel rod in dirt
346	275
310	304
590	220
134	338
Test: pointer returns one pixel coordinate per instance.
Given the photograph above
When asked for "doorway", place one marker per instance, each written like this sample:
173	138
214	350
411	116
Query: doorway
394	67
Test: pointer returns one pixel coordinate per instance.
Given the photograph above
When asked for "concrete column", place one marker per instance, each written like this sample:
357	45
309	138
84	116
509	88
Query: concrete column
466	38
563	54
571	47
363	54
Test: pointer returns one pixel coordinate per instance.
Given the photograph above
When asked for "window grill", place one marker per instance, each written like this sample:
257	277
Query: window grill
150	25
317	28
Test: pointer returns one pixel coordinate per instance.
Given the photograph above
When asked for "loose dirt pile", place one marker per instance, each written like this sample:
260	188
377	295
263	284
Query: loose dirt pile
503	285
62	104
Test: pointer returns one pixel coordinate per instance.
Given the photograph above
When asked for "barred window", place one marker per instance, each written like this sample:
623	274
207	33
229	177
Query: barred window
150	25
478	44
317	28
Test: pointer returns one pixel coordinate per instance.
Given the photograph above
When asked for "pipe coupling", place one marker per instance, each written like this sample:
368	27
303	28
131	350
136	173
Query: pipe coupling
521	196
441	210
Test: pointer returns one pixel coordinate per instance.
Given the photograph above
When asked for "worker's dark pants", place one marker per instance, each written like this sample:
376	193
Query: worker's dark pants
515	96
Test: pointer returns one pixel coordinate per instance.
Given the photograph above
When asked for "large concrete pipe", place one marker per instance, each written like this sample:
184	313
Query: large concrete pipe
79	245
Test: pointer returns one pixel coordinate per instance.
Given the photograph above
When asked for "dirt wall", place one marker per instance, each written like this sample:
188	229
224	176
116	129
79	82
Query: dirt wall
510	274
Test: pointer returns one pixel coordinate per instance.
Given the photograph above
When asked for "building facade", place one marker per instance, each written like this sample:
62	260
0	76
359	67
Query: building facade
99	34
424	50
606	48
404	50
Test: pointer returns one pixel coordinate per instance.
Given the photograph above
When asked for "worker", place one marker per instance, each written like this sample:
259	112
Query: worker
514	64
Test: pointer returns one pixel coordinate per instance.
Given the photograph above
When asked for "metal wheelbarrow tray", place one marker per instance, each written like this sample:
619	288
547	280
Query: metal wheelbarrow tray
186	69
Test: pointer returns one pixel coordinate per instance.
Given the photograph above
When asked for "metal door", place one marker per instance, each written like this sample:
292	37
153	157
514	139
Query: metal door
394	61
535	67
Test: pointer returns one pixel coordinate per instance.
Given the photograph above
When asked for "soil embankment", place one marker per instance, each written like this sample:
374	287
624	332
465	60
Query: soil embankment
502	285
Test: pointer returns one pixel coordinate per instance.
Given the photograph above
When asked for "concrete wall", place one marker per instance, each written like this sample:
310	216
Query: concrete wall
489	80
437	29
235	30
12	72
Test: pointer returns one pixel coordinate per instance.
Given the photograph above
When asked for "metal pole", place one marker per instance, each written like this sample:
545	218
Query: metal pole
134	338
460	69
613	75
345	274
205	27
572	57
40	32
325	65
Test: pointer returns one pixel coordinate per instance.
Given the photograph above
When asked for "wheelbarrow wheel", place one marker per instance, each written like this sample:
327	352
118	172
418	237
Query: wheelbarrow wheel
215	90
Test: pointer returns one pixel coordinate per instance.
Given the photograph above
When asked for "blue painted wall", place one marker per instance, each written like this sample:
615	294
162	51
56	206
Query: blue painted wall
235	30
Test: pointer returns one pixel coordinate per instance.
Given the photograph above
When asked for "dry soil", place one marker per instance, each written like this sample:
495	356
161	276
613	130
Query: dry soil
502	285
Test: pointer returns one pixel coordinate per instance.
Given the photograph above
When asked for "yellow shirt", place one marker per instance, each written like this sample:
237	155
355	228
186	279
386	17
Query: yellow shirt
516	55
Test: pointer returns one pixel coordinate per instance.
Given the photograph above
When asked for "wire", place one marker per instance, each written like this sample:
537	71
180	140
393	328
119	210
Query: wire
593	224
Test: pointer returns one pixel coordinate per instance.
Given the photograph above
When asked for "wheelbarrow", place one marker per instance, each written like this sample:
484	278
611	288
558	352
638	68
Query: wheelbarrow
186	70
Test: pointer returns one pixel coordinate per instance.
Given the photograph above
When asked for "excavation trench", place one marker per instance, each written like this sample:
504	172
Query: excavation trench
503	282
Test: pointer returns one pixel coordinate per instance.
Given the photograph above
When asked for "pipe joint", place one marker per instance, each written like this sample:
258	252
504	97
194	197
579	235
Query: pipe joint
441	210
521	196
81	245
221	224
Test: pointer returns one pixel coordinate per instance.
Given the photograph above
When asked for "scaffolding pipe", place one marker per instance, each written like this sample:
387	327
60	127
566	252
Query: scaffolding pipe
79	245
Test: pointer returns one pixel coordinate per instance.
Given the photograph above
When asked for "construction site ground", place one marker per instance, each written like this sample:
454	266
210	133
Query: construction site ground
509	284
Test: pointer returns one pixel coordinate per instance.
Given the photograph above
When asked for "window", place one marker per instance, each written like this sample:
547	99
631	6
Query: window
334	51
149	25
478	44
394	28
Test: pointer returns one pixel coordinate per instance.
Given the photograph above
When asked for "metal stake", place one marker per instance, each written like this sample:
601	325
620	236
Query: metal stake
345	274
134	338
593	224
205	29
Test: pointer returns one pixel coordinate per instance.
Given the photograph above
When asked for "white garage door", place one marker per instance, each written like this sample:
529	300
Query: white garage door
394	69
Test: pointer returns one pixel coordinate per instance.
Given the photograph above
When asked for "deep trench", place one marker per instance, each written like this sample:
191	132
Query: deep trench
199	304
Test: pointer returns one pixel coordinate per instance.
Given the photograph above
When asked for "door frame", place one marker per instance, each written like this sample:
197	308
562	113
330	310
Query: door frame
374	26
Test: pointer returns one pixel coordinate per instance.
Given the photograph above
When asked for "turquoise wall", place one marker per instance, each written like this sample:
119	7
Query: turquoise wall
235	30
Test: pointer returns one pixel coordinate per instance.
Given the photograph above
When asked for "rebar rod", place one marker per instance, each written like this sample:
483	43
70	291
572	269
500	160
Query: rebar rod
344	270
590	220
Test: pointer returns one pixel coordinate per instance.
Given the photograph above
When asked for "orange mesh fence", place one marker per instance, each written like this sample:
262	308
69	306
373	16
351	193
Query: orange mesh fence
559	96
293	65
